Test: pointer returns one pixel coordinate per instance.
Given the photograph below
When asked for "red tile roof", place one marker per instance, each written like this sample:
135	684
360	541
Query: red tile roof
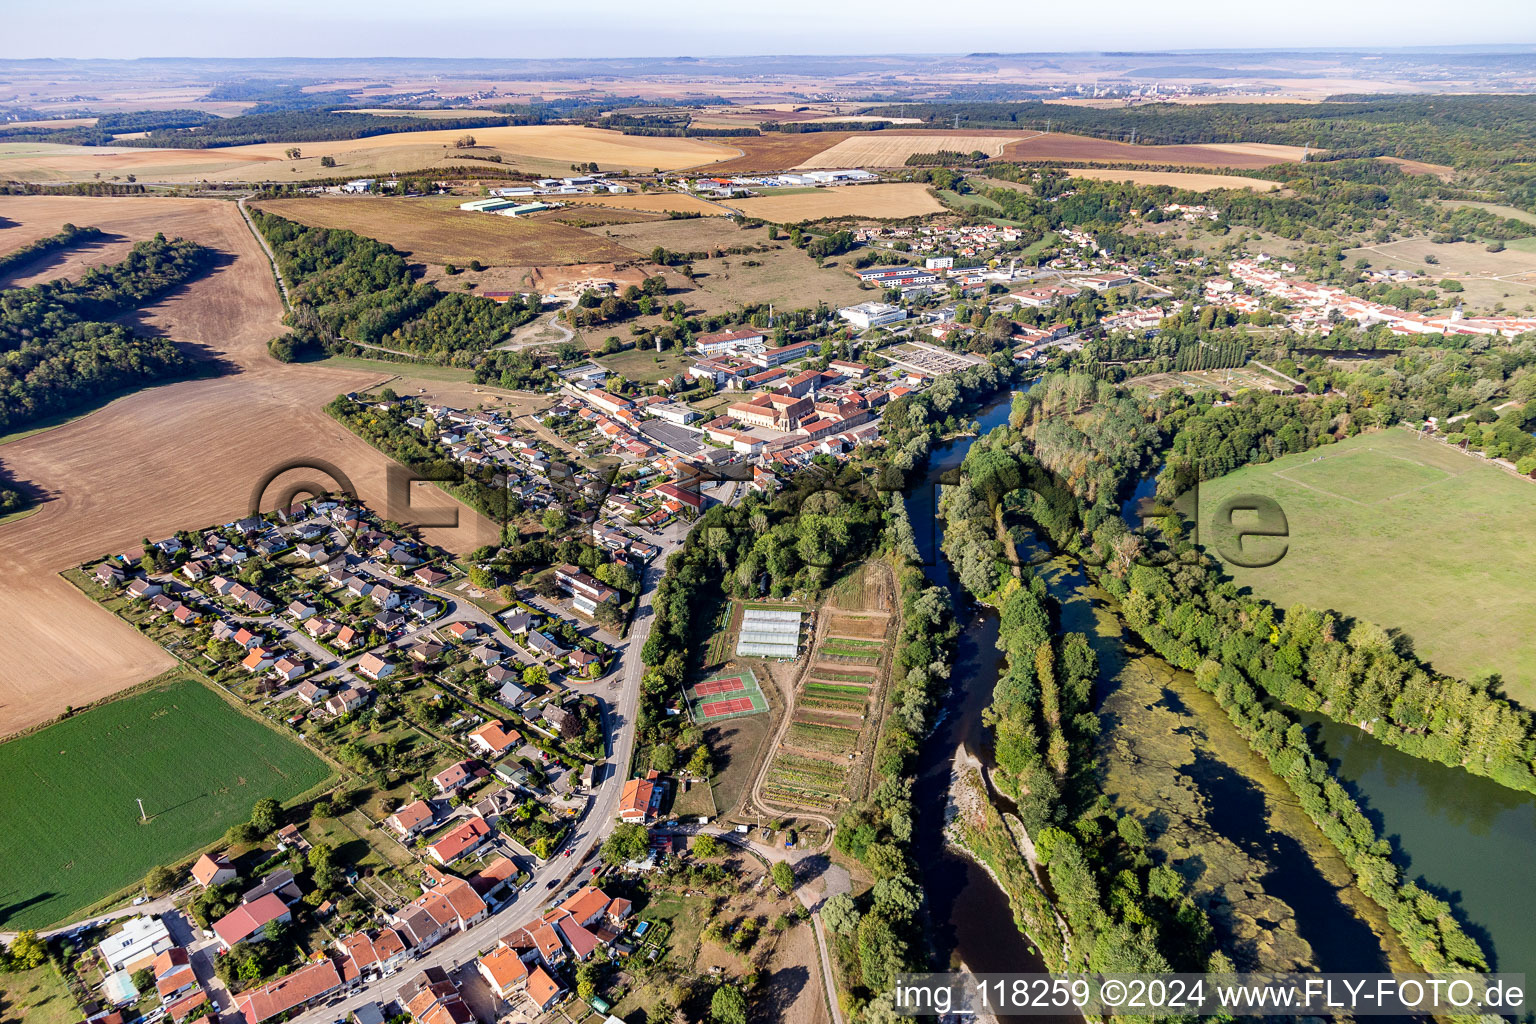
249	918
452	845
289	992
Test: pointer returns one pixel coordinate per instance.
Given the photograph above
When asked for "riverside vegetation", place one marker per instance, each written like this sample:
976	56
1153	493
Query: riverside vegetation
1244	652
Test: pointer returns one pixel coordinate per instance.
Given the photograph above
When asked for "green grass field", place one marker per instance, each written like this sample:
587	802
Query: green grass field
69	826
1407	533
37	996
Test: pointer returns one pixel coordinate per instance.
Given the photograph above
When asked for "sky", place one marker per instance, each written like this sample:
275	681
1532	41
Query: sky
632	28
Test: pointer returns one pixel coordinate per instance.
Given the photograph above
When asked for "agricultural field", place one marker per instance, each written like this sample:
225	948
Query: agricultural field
775	151
648	202
70	832
894	200
541	149
1411	534
432	230
1488	278
886	149
210	441
1193	181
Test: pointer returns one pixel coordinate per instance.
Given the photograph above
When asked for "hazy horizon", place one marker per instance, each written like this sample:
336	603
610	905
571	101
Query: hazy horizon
394	29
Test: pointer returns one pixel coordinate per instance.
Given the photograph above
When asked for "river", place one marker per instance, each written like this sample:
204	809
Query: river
1467	838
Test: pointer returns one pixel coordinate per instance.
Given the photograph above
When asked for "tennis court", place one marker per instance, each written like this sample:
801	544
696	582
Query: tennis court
726	685
727	696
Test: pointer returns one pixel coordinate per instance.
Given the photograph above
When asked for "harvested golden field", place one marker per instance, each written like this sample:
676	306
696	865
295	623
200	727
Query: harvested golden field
178	456
543	148
1056	146
1194	181
435	231
891	200
649	202
885	149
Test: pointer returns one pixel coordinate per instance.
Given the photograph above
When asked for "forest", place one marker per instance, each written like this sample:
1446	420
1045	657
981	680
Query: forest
57	354
351	291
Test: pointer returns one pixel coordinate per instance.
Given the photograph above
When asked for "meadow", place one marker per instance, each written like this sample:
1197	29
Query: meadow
70	833
1410	534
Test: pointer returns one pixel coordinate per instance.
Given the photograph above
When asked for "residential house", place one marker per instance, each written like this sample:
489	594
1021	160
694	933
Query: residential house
462	630
258	659
488	654
411	819
460	840
346	636
247	922
143	589
509	693
433	998
311	693
212	869
173	973
546	647
391	949
542	990
287	669
504	971
375	667
430	577
635	801
454	778
494	739
280	883
563	721
288	993
348	700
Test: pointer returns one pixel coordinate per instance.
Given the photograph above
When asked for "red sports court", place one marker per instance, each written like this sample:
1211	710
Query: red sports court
728	685
730	706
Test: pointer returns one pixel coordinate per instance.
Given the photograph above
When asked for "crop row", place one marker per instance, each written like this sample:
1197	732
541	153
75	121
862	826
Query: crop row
837	689
786	796
847	707
815	765
820	736
804	782
847	677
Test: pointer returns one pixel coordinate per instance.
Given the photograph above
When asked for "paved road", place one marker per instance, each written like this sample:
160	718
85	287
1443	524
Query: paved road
619	724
